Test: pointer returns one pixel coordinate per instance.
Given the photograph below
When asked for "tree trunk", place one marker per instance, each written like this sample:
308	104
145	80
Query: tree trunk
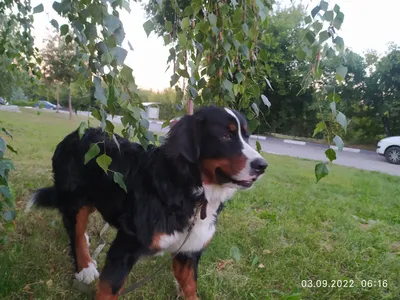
385	122
58	98
69	103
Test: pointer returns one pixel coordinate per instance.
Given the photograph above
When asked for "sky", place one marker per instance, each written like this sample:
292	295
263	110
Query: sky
367	24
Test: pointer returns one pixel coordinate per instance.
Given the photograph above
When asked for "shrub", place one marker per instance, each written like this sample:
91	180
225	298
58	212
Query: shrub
23	103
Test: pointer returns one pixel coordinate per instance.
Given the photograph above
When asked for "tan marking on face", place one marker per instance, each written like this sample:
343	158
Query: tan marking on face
81	247
230	166
232	127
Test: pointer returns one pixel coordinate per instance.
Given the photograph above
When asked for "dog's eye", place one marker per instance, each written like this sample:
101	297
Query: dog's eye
227	136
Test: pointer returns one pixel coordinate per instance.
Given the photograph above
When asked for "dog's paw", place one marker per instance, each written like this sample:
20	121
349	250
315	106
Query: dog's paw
88	274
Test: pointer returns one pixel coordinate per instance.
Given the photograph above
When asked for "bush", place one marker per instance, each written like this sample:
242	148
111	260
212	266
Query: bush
23	103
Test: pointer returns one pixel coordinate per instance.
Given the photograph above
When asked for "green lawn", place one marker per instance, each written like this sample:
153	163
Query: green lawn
287	229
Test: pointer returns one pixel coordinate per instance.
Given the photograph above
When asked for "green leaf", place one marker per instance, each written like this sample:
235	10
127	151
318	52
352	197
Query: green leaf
243	49
321	170
338	142
93	151
119	179
341	71
265	100
330	53
185	23
9	215
254	261
126	74
38	9
82	128
269	83
321	126
328	16
174	79
245	29
333	108
315	10
111	22
235	253
213	19
99	91
119	54
104	162
7	132
338	21
2	147
339	42
341	119
64	29
168	26
5	191
148	27
330	154
324	5
54	23
9	147
323	36
258	146
68	39
5	166
308	20
239	77
227	85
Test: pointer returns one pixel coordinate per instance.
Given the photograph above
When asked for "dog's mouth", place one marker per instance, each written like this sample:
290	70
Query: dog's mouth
224	178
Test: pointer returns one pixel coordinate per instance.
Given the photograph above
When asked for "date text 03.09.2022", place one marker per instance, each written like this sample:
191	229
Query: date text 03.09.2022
344	283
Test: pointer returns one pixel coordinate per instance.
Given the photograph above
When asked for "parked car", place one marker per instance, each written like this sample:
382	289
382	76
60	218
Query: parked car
390	148
3	101
45	104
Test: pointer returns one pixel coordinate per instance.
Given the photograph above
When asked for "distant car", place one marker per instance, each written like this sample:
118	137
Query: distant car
45	104
390	148
3	101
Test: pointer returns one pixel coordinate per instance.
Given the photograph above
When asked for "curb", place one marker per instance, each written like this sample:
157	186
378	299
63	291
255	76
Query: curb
302	143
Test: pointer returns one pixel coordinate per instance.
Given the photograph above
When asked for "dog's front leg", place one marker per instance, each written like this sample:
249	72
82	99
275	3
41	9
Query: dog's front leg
185	272
123	254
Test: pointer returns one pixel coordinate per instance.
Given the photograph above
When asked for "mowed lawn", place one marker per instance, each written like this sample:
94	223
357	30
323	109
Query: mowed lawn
286	229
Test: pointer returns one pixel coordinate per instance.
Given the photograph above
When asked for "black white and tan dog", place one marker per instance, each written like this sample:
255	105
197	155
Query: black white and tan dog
205	157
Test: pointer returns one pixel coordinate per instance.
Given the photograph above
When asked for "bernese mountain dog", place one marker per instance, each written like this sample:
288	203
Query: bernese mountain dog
205	158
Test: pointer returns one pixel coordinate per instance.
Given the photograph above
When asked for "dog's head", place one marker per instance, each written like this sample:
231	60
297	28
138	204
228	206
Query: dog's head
217	139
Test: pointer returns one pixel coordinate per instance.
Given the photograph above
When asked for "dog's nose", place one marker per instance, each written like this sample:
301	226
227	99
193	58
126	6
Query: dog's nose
259	165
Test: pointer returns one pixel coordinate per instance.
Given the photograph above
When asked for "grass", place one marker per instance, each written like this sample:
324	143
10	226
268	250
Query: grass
287	229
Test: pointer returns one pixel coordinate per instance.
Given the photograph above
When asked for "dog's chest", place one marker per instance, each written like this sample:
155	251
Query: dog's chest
202	230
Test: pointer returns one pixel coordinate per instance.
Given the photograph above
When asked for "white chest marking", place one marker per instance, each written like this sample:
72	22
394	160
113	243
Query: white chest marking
203	230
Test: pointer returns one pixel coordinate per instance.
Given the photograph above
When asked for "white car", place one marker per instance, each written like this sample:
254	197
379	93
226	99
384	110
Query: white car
390	148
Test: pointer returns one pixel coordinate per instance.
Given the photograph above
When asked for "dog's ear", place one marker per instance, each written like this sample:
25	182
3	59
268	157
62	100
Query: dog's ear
183	139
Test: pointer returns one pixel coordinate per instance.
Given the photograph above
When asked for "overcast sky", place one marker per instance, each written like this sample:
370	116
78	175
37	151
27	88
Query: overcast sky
368	24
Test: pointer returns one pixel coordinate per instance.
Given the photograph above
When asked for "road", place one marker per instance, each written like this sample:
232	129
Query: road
366	160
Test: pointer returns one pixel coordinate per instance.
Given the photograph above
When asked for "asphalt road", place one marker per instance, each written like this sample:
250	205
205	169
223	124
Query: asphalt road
366	160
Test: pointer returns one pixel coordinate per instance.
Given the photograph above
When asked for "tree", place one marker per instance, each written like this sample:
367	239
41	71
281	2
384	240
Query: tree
59	60
383	90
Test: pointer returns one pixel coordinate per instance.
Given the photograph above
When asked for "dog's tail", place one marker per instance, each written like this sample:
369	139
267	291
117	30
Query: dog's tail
45	197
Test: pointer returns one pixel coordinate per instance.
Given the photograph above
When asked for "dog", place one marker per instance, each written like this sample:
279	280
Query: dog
204	160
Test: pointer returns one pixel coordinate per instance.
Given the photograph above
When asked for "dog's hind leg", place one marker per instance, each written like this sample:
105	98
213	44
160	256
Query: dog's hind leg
75	222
